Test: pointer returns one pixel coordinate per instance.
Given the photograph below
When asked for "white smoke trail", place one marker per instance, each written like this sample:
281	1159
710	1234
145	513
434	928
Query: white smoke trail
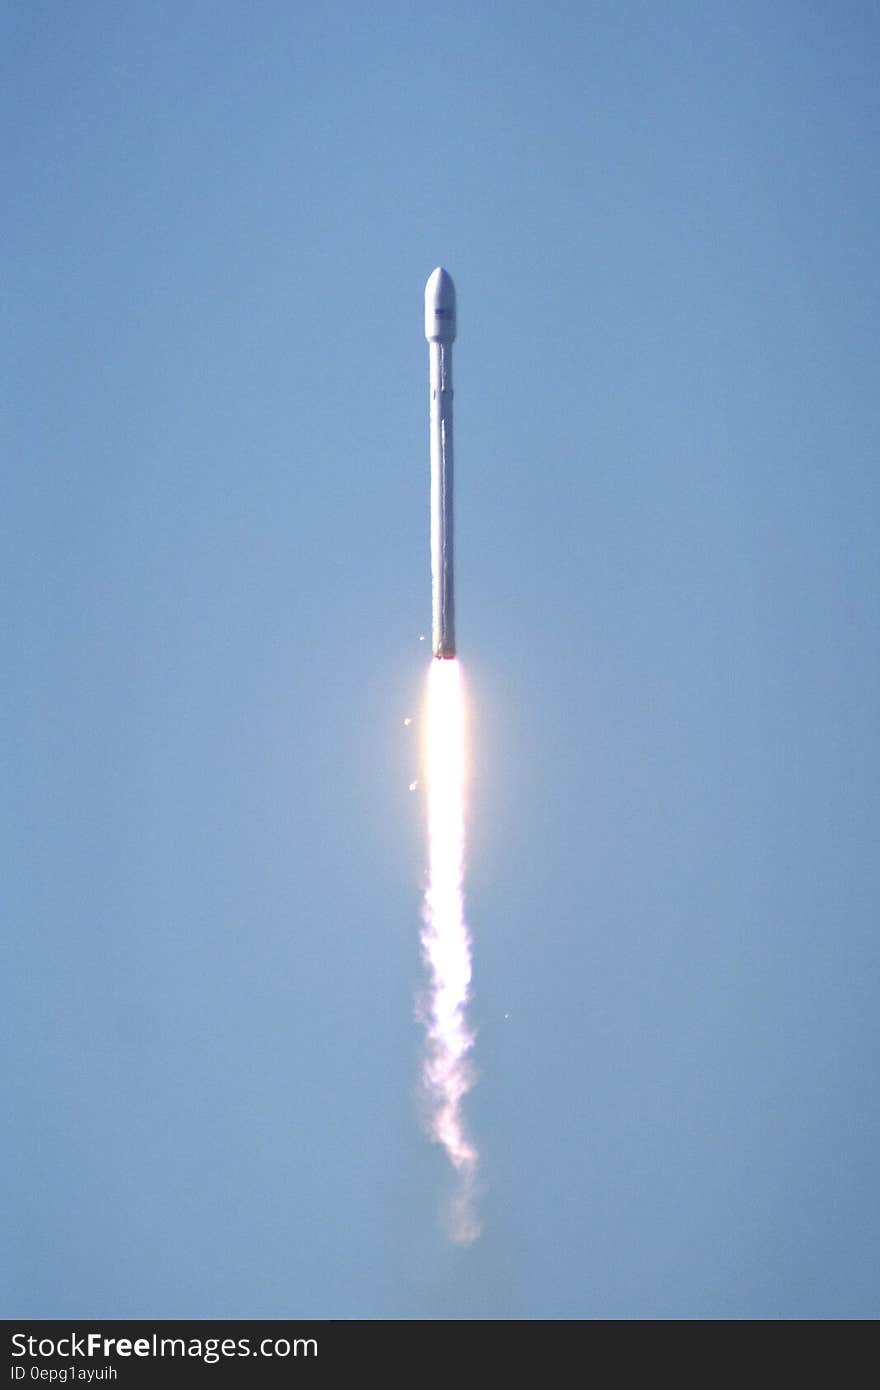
446	946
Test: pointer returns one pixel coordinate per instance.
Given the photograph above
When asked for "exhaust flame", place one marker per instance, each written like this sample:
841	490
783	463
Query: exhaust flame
446	944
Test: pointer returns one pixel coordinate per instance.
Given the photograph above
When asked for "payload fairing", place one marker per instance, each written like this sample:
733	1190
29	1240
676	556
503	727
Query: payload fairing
440	333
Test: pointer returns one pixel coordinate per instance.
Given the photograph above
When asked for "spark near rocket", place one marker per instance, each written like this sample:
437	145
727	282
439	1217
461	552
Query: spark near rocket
440	333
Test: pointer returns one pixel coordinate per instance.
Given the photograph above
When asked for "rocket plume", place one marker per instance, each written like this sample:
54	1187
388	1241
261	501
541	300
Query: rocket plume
446	947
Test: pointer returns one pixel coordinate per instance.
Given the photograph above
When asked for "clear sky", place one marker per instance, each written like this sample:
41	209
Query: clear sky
662	221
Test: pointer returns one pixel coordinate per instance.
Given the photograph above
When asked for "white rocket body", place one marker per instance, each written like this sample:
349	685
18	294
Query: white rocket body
440	333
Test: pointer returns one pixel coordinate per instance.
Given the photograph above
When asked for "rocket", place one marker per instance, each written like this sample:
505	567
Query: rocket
440	333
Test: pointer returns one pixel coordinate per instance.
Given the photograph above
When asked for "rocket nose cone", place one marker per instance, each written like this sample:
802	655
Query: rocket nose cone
440	307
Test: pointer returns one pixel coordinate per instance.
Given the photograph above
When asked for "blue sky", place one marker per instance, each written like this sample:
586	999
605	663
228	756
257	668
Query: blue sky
663	226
